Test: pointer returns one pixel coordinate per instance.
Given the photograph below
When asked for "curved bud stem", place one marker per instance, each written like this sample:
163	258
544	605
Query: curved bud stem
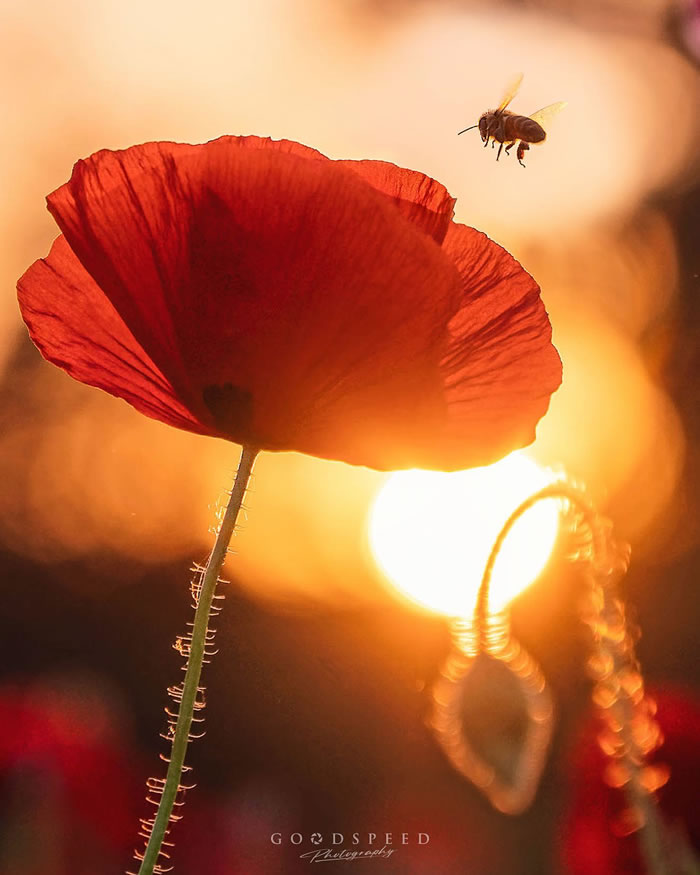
615	661
195	646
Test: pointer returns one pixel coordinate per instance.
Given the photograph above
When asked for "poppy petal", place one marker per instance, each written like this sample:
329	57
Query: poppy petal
420	199
133	244
273	278
83	334
500	366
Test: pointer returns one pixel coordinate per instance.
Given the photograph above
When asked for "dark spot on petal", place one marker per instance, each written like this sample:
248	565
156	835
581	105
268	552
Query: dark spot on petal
231	407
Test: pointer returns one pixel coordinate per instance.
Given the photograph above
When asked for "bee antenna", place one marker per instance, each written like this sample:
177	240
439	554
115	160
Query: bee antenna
467	129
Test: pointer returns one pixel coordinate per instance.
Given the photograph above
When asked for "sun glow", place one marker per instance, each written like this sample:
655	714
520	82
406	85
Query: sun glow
431	533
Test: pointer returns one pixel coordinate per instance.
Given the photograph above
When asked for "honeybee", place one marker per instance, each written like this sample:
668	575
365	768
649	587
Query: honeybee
505	127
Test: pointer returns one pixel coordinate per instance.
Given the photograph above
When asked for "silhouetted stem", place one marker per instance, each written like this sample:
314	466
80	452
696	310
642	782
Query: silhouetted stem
194	662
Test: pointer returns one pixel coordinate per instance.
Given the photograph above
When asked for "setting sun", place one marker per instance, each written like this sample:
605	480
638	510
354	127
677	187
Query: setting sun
431	533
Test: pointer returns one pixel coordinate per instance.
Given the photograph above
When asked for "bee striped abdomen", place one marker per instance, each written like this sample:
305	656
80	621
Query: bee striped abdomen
520	127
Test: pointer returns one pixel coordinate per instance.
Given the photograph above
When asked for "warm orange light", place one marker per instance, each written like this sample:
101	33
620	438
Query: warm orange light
431	533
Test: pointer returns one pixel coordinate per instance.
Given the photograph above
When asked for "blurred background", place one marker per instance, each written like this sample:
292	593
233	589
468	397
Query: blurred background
319	693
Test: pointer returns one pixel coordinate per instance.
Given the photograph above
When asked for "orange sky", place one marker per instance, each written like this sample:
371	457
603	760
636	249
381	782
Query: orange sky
351	84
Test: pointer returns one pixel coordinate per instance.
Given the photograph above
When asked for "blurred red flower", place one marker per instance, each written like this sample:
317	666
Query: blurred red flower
69	783
71	792
589	842
260	292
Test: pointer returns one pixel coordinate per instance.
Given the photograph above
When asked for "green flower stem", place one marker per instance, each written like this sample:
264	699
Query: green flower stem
194	662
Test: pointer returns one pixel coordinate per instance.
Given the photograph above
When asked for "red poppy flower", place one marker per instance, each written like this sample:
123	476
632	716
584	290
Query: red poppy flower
69	786
258	291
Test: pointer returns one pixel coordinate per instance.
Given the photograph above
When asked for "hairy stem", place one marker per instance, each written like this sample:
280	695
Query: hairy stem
196	653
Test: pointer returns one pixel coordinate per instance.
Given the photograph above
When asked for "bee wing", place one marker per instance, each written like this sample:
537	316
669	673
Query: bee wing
511	91
544	116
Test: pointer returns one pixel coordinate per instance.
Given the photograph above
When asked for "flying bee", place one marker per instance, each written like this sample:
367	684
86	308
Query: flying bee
505	127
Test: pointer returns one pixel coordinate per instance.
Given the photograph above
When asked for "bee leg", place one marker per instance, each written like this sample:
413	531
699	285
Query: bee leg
509	147
522	149
500	149
486	142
